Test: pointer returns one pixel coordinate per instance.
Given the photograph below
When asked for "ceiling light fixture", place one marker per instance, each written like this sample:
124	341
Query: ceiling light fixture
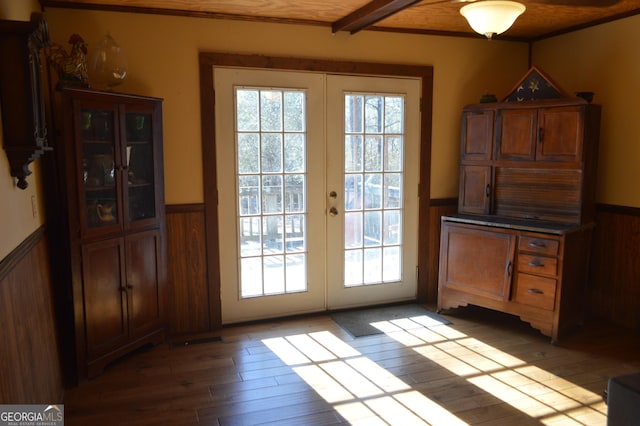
492	17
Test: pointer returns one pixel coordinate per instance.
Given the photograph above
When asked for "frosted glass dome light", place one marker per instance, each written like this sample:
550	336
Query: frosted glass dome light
492	17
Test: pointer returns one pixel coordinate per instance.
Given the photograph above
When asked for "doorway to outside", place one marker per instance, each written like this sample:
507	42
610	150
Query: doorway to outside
317	178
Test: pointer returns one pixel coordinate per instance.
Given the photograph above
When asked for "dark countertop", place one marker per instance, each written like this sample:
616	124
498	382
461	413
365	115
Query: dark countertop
512	223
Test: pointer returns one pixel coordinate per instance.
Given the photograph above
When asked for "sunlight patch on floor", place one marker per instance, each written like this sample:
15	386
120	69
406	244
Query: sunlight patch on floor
363	392
378	375
530	389
328	388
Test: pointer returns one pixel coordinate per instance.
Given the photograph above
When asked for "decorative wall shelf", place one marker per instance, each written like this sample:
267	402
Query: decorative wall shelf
21	98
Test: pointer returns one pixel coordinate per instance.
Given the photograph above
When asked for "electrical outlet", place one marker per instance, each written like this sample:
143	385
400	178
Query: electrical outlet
34	206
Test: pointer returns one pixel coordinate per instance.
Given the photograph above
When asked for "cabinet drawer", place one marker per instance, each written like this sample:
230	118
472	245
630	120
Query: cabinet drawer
536	291
538	264
538	245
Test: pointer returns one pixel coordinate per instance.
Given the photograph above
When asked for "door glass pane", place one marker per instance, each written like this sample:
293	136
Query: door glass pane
271	177
98	167
138	160
373	176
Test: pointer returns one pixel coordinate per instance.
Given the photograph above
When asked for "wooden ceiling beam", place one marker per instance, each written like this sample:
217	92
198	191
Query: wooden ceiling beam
369	14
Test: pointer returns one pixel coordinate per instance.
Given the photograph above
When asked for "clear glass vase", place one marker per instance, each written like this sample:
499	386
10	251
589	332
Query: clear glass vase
107	64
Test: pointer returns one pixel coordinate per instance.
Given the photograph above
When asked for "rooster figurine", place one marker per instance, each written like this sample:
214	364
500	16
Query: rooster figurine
70	67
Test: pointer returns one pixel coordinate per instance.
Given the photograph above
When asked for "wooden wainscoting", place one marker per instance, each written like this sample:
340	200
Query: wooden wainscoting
614	287
30	370
437	209
190	309
614	293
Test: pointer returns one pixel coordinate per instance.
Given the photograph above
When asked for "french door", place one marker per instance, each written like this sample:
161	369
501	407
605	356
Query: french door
317	191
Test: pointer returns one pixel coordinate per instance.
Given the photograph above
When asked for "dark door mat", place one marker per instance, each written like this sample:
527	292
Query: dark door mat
358	321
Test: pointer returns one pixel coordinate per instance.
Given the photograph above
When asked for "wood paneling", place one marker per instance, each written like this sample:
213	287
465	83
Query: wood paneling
614	292
543	194
189	309
438	208
29	362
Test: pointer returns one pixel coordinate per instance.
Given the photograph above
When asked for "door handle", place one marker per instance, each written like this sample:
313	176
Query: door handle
537	244
333	212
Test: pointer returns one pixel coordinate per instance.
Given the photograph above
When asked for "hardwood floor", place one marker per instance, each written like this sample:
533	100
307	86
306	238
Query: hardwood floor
485	368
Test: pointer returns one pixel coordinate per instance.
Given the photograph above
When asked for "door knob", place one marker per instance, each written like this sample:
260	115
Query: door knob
333	211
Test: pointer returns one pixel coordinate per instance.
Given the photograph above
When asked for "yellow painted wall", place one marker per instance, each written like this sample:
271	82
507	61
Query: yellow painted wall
18	10
162	52
17	220
604	60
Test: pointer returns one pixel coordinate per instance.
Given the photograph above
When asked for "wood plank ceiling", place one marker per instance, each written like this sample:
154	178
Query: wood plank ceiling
543	18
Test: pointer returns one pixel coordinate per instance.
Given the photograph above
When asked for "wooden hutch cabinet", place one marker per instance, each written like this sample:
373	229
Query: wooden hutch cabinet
115	201
520	241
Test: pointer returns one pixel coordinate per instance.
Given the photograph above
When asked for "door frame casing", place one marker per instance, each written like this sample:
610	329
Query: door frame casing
209	60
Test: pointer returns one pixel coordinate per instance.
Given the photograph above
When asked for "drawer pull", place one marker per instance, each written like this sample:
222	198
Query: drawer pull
537	244
536	263
535	291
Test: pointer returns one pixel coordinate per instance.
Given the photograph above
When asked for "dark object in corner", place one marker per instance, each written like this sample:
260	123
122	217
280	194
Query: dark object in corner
488	98
201	341
587	96
24	129
623	400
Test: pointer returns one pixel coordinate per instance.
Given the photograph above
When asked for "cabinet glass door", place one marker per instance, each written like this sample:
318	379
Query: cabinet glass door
97	133
138	161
